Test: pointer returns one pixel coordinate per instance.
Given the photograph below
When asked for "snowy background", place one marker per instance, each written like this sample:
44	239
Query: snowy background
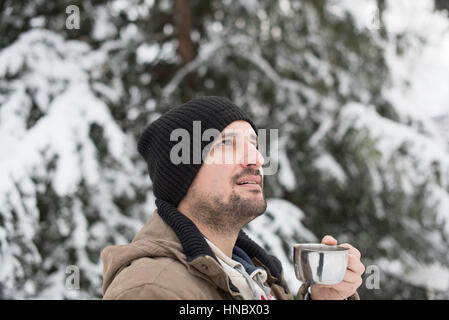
359	91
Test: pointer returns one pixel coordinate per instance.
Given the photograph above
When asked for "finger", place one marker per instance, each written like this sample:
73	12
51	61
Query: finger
329	240
354	264
353	285
348	288
317	285
352	277
352	250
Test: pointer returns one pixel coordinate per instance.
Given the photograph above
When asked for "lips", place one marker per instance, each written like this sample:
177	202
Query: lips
251	186
250	180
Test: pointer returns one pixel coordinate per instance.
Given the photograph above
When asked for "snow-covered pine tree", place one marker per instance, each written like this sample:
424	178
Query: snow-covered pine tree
68	183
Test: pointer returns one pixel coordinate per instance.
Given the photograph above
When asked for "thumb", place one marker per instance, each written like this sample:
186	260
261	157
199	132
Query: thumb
329	240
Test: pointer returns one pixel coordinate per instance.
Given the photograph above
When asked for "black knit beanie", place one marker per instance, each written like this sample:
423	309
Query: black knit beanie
171	181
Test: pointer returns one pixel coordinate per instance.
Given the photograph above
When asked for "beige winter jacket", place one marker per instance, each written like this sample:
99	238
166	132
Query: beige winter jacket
154	266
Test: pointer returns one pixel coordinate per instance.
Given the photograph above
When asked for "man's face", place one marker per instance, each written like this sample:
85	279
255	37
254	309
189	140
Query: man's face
229	185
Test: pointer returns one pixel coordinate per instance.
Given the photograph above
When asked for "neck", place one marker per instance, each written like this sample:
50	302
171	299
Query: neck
223	239
224	242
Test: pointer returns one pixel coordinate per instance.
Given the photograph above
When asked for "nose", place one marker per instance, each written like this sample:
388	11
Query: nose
251	156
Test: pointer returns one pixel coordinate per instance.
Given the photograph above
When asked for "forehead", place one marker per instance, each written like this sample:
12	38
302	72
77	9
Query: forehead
239	127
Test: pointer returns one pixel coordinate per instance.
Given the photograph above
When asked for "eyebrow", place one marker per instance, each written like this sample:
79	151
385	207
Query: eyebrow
234	134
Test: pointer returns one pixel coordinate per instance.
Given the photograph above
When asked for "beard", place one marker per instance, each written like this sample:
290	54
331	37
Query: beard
226	217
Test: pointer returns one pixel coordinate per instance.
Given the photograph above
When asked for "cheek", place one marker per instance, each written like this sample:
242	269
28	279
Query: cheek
217	178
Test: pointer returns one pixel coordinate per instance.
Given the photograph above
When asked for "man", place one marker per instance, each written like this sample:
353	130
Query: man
193	246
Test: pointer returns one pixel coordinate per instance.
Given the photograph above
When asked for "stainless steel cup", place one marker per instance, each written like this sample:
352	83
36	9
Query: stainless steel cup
317	263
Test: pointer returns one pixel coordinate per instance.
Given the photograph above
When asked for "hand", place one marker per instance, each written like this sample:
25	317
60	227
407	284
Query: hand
351	281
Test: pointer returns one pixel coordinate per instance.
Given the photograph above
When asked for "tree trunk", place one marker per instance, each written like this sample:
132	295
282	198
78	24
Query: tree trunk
183	27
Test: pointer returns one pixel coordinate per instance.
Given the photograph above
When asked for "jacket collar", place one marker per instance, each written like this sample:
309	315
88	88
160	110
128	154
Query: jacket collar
195	246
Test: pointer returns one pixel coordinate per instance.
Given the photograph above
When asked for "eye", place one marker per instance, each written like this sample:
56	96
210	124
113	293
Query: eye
225	142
